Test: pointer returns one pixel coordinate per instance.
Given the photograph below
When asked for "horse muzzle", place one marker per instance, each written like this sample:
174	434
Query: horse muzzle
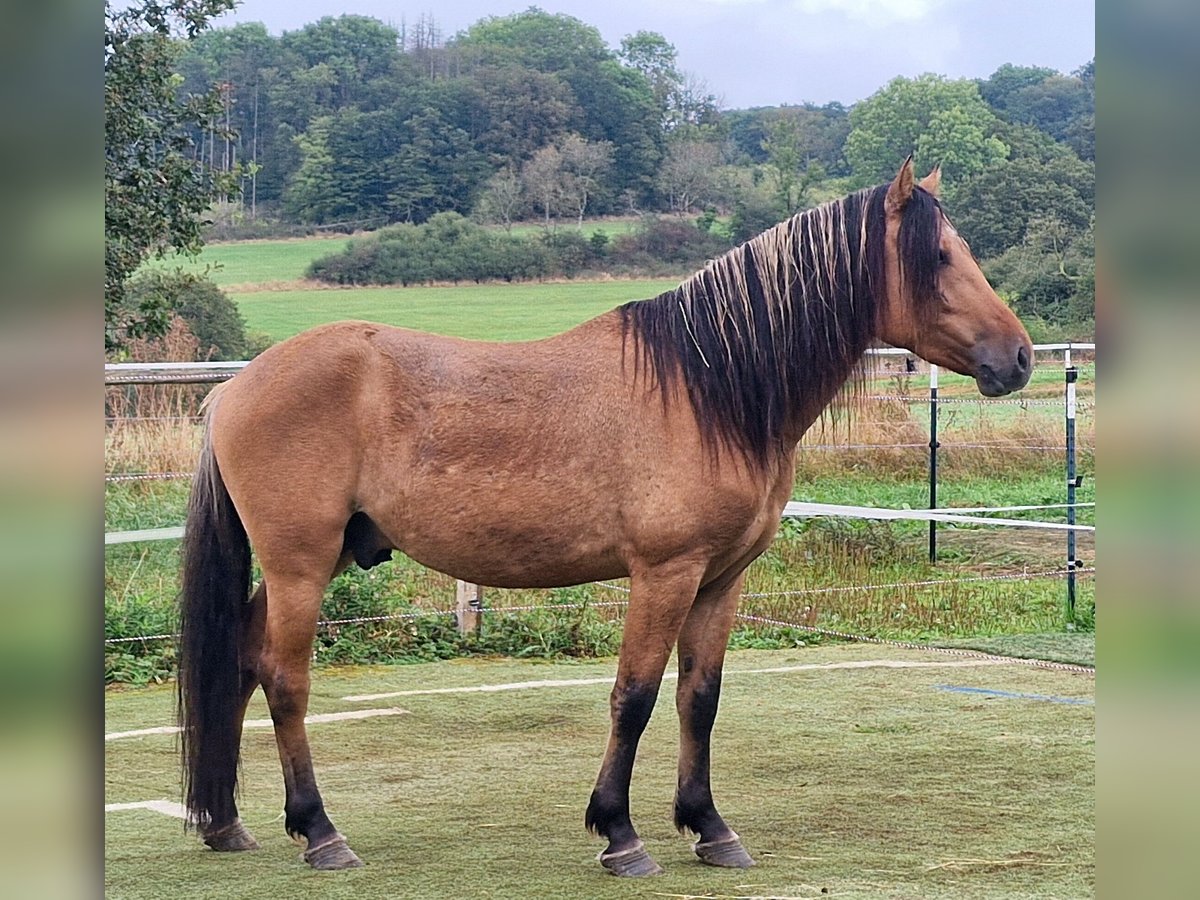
1000	370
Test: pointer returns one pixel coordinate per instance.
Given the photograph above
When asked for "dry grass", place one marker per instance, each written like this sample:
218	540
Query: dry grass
153	428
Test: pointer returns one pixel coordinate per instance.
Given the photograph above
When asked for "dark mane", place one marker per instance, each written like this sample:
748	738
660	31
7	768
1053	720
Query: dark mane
783	319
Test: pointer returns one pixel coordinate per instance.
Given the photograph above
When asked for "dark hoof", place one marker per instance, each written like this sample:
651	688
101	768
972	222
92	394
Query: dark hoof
632	863
232	837
333	854
728	853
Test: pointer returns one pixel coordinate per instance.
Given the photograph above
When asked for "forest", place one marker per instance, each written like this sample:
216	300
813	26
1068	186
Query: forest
350	124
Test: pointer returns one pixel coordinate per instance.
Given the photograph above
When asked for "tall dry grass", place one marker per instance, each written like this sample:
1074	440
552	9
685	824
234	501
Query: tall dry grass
154	428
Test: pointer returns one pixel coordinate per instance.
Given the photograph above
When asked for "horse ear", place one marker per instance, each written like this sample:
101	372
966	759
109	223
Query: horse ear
900	191
933	180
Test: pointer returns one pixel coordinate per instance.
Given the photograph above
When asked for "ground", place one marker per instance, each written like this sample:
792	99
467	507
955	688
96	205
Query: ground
850	771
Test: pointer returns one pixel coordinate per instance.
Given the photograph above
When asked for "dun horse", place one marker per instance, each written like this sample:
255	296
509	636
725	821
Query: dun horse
656	441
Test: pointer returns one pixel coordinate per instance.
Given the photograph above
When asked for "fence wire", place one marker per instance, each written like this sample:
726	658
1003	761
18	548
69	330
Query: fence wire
602	604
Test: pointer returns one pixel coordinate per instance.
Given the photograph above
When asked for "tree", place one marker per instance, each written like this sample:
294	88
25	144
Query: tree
436	169
517	110
614	102
1052	105
313	193
941	121
356	50
682	98
994	208
155	191
1008	80
542	178
688	176
540	40
502	198
1051	275
212	318
792	172
584	164
654	56
245	60
959	142
820	131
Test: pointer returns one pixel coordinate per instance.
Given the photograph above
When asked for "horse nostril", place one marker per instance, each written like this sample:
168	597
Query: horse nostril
1023	358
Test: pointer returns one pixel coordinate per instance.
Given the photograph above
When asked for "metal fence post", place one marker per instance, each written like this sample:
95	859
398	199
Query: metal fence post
1073	481
933	457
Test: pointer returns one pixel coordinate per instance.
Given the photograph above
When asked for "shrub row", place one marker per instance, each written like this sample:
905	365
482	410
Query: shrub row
451	248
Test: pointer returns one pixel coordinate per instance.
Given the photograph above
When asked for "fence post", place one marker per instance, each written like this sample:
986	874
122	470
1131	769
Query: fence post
468	606
933	460
1073	481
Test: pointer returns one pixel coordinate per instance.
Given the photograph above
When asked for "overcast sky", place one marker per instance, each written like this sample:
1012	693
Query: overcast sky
769	52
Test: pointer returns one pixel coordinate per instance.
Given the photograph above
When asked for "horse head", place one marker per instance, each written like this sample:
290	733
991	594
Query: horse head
937	302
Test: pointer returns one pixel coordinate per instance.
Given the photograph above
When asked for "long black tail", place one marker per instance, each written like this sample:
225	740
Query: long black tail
213	604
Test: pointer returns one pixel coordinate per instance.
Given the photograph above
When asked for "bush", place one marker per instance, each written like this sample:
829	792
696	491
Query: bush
753	215
451	248
210	315
598	245
448	247
674	242
569	250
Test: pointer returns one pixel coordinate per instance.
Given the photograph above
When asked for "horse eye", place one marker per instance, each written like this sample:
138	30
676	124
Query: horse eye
943	257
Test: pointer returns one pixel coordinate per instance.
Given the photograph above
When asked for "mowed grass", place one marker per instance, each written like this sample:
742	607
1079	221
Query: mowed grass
498	312
857	782
257	262
266	280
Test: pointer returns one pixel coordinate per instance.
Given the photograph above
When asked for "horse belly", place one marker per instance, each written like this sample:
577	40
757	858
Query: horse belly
514	560
507	544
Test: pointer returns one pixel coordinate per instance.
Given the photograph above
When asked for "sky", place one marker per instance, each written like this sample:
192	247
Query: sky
772	52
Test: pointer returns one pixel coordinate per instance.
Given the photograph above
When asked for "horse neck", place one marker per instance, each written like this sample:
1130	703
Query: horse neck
763	338
831	352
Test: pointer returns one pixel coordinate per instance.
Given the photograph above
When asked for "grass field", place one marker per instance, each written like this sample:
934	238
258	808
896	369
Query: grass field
499	312
258	262
847	780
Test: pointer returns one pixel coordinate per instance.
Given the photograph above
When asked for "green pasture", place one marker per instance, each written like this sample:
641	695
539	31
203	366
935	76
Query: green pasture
844	778
502	312
258	262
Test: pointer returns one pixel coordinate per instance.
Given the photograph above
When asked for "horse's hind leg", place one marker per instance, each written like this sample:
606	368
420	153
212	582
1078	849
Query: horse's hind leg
291	625
658	604
233	835
702	643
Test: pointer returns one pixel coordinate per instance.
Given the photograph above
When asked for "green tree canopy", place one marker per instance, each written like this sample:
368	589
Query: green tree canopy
1007	80
994	208
154	189
540	40
212	318
615	102
934	118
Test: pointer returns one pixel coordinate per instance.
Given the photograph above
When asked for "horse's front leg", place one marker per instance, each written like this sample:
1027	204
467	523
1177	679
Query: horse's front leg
658	603
702	643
